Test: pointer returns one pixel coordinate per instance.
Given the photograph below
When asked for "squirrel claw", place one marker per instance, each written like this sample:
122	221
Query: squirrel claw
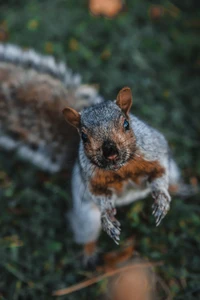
161	205
117	224
111	226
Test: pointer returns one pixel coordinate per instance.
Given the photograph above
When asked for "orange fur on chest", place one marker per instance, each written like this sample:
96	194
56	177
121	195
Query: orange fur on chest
103	181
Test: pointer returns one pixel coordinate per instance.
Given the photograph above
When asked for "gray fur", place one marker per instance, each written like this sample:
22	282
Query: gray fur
46	64
41	63
85	218
101	115
153	147
27	67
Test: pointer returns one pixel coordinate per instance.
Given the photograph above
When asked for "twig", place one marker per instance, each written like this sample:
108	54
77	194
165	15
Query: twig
96	279
165	288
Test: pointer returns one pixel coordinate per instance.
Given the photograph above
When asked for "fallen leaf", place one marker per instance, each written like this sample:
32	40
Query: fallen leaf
108	8
114	258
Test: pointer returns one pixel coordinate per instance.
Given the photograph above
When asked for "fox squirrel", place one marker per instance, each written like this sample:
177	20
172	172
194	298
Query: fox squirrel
120	158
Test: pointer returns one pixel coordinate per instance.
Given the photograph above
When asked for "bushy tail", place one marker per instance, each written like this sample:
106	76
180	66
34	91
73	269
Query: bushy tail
34	89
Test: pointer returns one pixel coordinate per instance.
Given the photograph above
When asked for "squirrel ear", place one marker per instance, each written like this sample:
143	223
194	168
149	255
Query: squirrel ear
72	116
124	100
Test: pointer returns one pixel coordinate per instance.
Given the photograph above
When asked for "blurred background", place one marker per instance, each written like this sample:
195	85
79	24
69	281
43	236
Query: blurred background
153	47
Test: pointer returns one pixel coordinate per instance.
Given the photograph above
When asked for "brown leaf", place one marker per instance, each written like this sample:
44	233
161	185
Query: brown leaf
194	181
114	258
156	12
107	8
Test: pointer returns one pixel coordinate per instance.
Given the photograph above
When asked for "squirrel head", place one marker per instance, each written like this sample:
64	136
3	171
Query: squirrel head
105	131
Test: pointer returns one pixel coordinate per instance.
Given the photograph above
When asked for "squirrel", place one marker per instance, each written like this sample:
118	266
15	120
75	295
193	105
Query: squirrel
121	159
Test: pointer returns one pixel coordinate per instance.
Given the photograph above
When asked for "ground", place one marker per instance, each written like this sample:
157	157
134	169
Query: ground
154	49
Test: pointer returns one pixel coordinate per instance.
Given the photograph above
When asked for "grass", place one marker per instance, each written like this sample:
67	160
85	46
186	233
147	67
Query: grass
159	60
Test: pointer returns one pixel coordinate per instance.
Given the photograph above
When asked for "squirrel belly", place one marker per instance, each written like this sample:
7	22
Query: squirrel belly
138	171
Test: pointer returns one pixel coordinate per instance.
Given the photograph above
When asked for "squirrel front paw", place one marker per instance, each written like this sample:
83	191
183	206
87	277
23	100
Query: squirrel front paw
111	225
161	205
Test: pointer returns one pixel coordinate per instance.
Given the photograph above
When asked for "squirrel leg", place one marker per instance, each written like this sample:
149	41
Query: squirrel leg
84	218
161	205
91	255
86	225
162	199
109	223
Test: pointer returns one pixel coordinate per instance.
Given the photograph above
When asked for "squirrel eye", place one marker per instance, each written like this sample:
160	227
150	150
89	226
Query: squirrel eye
126	125
84	136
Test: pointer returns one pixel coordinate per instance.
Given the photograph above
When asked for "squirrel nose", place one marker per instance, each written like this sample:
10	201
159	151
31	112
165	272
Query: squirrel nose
109	150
